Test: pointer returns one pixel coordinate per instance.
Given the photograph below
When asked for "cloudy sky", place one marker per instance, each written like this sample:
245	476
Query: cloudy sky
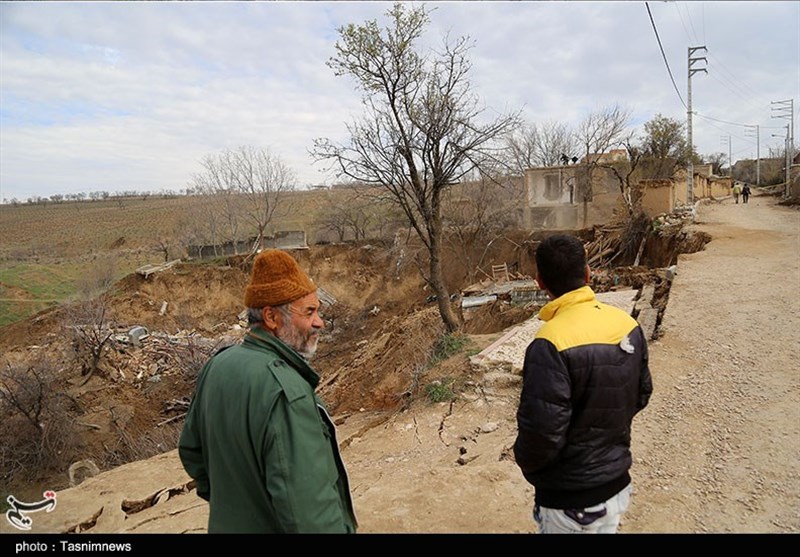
131	95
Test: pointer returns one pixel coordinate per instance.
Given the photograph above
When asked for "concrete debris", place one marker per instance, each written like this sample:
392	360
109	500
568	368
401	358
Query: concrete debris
159	355
464	459
325	297
137	334
508	352
88	469
147	270
475	301
645	300
671	271
504	289
647	319
501	379
163	309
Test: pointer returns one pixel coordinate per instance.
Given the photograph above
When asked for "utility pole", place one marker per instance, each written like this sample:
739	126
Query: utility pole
691	72
727	141
785	109
758	151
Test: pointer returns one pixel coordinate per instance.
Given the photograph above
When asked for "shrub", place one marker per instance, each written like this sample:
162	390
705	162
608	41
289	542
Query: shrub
440	391
37	433
448	345
98	276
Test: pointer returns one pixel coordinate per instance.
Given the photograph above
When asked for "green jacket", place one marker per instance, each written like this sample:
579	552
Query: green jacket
261	445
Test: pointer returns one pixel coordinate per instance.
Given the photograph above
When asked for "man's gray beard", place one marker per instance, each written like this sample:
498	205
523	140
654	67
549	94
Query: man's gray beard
291	336
308	354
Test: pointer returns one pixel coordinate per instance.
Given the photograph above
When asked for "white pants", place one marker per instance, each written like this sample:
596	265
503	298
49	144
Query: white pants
598	519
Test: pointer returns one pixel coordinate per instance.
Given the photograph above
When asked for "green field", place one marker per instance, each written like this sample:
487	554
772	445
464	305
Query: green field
51	252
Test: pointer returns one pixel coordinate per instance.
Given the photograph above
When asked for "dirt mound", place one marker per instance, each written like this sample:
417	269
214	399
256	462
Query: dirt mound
362	277
198	296
384	369
494	317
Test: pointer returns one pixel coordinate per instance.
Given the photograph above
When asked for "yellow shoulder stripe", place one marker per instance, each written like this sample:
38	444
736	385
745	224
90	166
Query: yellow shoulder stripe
590	322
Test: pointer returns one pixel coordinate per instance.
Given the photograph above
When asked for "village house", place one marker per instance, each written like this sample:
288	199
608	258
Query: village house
559	197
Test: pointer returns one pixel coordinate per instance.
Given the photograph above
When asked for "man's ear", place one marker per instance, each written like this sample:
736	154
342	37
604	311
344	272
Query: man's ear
270	317
588	275
540	282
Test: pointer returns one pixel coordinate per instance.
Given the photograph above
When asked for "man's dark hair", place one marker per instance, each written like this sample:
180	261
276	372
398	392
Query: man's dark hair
561	263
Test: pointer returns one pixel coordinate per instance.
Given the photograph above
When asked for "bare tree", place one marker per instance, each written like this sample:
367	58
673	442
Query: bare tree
627	176
717	162
91	333
597	132
247	182
358	212
557	145
422	130
219	215
540	145
264	179
37	431
600	130
523	147
331	217
478	212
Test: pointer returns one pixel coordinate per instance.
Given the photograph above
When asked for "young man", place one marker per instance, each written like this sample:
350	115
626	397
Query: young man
585	376
259	442
745	193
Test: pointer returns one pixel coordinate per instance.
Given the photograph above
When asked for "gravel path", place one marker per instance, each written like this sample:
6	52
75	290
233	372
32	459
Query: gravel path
718	449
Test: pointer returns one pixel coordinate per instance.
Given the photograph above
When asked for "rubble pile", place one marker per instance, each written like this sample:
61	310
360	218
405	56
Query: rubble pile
141	358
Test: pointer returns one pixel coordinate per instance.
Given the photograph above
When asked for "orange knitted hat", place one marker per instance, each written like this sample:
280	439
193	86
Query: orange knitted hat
277	279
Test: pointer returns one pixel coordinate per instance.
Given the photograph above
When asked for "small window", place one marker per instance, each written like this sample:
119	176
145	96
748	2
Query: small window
552	187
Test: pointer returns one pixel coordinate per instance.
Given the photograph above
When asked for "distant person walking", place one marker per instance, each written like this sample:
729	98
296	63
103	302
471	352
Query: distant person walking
259	442
745	193
585	376
737	190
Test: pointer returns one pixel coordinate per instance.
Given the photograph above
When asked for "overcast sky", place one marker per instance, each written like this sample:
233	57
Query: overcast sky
131	95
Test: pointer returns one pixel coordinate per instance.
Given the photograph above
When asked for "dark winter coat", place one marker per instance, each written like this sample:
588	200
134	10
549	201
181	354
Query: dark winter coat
585	376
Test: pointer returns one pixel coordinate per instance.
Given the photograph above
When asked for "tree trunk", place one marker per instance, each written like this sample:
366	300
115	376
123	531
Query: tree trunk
451	321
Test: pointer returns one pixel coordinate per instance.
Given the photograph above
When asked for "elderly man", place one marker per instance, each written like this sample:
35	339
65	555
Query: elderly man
257	439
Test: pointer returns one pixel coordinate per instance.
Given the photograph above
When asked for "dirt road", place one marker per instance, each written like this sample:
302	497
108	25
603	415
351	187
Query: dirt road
717	450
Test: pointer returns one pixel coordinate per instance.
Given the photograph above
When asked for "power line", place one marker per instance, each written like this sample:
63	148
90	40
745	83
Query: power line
664	56
683	24
734	123
721	121
743	138
691	24
703	18
734	78
733	88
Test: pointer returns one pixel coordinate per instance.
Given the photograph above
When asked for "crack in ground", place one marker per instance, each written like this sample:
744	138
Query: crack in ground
86	524
441	424
130	507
